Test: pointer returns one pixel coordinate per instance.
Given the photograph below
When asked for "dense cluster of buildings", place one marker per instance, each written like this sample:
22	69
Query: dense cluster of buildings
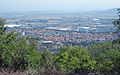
59	37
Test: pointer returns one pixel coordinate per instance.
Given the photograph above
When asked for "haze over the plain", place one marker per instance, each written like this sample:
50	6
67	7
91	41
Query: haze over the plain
57	5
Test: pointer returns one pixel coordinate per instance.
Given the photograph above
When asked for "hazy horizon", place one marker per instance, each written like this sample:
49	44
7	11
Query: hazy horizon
57	5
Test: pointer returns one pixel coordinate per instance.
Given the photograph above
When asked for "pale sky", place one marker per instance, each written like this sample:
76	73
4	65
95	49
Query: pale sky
59	5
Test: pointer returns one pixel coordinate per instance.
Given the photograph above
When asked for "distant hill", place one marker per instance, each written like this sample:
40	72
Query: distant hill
112	12
103	13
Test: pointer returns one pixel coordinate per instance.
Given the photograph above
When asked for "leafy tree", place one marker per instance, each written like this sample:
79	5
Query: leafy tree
117	24
15	52
32	43
107	56
6	42
74	58
47	60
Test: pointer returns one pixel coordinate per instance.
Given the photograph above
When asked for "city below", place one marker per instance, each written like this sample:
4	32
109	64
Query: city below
54	30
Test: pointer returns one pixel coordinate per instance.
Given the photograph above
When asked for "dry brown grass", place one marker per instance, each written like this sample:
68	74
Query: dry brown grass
4	71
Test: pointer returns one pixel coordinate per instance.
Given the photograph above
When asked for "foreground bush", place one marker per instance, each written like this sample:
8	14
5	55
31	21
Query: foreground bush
107	56
16	52
74	59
